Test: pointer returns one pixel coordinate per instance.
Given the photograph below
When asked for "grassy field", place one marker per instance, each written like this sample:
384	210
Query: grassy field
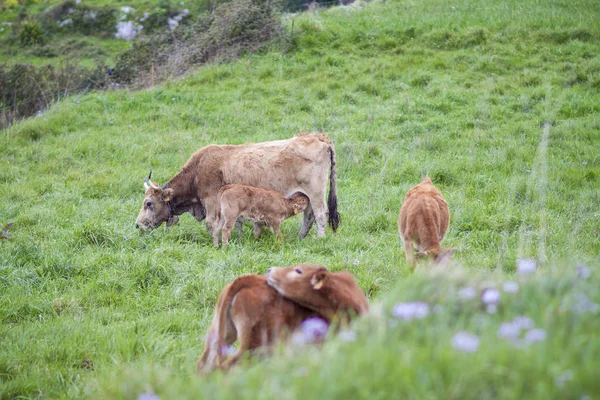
497	101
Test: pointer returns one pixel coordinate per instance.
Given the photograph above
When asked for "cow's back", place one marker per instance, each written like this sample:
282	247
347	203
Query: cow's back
281	165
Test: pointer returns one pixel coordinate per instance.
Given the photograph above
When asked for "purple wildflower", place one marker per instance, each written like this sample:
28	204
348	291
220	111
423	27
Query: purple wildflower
465	341
408	311
526	266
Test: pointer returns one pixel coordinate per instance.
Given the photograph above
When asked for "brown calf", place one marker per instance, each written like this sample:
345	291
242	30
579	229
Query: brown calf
331	294
261	206
252	312
423	223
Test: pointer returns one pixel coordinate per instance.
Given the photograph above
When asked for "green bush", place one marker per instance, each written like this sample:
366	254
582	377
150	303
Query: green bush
31	33
232	29
26	89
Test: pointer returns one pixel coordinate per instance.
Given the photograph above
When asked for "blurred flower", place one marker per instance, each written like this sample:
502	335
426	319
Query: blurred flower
510	287
311	330
467	293
347	335
524	322
408	311
356	262
583	272
526	266
465	341
563	378
512	330
148	396
535	335
584	304
509	330
490	296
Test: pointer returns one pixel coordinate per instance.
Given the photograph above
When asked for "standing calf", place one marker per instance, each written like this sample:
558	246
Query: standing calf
423	223
261	206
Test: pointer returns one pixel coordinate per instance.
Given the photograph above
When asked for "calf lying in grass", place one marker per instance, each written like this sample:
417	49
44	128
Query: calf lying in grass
257	315
252	312
261	206
423	223
331	294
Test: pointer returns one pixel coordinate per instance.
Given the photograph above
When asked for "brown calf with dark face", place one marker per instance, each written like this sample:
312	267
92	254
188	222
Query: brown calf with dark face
261	206
252	312
331	294
423	223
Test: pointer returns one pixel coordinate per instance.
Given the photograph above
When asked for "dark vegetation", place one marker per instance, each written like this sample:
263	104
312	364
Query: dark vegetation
220	31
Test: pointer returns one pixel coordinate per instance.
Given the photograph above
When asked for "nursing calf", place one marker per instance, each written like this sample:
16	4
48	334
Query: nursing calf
261	206
423	223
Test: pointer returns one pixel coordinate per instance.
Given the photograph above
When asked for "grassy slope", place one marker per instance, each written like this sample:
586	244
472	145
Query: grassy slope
497	101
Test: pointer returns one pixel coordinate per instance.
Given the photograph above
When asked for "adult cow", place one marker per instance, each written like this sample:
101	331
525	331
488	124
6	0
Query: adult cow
301	164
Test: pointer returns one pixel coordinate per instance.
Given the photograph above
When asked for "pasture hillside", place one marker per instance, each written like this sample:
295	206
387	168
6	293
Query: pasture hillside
497	101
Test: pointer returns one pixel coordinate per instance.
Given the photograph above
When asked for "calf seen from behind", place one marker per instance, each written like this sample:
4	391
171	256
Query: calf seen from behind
423	223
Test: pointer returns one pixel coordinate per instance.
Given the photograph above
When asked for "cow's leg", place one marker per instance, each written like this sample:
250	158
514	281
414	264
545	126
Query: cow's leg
320	210
275	226
217	230
257	229
239	225
410	256
244	334
211	206
227	227
309	219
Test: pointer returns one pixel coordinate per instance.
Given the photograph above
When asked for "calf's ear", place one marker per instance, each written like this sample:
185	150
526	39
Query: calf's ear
167	194
318	279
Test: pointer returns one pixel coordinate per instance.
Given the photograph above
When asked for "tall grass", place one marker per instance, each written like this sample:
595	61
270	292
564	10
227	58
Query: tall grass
496	101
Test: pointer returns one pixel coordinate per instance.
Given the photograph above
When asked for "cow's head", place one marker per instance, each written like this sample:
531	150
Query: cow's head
156	208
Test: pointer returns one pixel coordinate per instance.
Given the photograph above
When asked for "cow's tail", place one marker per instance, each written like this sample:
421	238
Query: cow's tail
334	216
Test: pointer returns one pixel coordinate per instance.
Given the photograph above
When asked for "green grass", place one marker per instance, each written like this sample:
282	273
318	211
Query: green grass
497	101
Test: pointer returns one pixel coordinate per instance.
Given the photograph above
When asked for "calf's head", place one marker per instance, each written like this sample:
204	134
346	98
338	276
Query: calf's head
155	209
299	203
318	289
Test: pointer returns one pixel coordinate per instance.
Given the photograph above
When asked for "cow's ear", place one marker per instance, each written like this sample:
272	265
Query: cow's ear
318	279
167	194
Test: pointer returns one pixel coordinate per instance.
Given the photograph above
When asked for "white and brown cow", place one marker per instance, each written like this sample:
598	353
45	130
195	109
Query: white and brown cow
302	164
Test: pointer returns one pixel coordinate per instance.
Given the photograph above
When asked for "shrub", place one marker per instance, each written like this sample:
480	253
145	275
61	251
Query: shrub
26	89
232	29
31	33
